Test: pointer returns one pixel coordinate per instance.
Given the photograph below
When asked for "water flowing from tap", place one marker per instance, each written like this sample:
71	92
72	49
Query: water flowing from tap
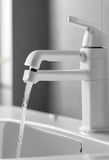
27	93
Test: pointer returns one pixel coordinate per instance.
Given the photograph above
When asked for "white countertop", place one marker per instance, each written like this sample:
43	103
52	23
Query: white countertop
75	157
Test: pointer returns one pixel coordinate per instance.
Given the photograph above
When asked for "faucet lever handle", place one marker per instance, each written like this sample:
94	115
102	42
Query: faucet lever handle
80	22
93	37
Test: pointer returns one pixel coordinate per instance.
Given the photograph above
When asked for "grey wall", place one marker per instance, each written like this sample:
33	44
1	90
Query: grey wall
30	32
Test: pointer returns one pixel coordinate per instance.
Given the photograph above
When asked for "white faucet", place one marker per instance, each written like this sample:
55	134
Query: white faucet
93	74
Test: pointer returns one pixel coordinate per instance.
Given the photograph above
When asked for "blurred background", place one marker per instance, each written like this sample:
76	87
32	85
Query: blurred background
27	25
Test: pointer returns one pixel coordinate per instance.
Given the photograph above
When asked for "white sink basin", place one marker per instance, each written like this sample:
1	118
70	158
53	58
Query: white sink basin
47	136
36	143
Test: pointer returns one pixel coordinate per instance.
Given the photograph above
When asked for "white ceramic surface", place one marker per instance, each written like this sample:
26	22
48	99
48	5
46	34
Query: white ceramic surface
49	137
37	142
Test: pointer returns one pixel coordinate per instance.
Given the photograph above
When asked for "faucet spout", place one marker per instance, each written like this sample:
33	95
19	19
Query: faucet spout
55	75
35	58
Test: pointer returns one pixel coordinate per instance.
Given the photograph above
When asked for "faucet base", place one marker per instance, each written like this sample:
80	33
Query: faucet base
90	130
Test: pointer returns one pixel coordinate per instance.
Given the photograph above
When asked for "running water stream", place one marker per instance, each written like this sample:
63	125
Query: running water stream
27	93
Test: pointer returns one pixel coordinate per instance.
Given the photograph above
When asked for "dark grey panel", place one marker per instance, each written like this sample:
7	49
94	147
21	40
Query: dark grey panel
30	32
